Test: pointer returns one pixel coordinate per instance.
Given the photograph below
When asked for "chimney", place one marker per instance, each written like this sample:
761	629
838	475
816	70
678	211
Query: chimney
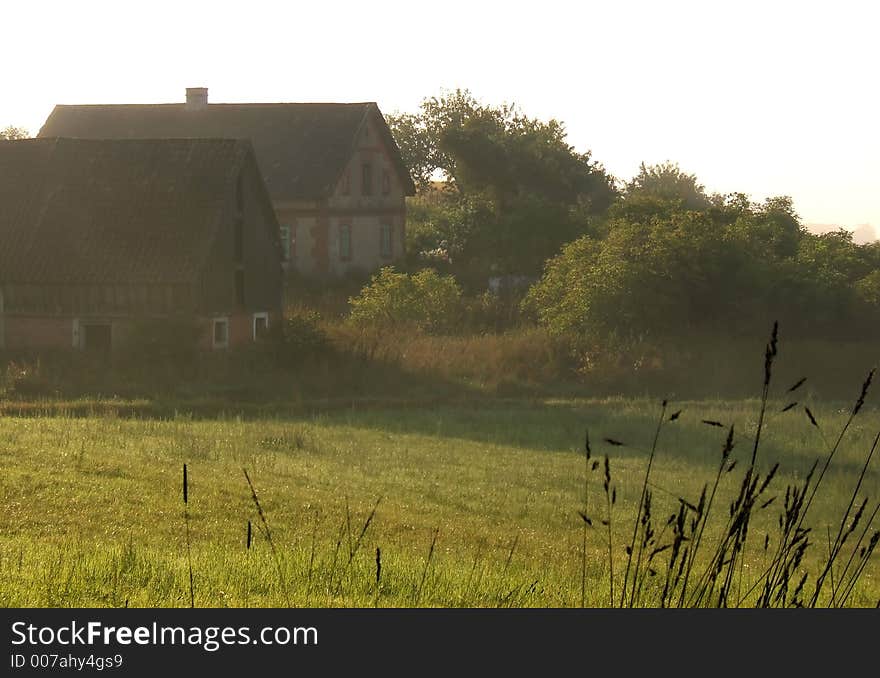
196	98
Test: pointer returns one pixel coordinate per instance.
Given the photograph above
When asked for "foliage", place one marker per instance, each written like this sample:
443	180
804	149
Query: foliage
669	272
427	300
10	133
667	181
157	342
302	337
25	379
514	189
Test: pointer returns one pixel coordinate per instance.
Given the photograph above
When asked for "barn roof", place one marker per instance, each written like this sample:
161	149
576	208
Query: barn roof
78	211
301	148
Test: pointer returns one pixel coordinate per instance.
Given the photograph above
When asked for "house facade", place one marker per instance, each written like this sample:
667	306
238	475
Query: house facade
100	236
333	171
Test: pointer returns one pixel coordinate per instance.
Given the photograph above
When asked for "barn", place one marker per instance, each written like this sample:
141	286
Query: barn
98	236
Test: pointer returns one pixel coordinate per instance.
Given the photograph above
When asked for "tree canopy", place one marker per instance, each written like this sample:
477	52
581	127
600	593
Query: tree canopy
513	189
11	133
731	268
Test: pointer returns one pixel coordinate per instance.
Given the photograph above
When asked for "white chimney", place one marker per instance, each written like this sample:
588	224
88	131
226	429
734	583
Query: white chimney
196	98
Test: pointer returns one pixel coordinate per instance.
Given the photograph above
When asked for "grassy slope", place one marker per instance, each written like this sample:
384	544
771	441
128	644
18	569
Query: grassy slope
92	511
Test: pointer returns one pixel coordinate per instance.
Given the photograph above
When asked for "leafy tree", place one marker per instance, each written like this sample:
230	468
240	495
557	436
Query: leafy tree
514	189
667	181
11	133
426	300
727	269
478	148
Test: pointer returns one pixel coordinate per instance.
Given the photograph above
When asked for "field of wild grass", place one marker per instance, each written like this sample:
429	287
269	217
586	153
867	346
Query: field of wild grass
472	503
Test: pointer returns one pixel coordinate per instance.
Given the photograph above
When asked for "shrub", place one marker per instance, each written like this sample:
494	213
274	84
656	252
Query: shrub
301	337
25	379
427	300
161	342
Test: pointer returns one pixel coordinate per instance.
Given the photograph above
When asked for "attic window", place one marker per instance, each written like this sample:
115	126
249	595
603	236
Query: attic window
386	182
345	183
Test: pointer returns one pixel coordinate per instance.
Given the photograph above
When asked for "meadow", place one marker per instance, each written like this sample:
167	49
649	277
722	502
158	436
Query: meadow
469	502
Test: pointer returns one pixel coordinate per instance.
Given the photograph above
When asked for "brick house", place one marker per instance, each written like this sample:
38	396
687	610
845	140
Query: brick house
333	171
98	235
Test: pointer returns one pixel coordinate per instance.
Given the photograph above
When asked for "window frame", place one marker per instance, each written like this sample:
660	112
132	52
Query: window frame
219	320
262	315
386	181
386	229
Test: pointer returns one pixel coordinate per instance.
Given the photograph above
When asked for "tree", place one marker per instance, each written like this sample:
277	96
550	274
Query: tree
515	190
478	148
725	270
668	182
11	133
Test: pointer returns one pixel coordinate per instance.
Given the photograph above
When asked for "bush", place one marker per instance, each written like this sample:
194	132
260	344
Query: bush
25	379
426	300
164	342
301	337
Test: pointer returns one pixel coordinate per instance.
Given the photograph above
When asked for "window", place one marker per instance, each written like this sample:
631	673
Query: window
367	179
385	242
221	332
345	242
345	182
239	288
386	182
261	325
285	242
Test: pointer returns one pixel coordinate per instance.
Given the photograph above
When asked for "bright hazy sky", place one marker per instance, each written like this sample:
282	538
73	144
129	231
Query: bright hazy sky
767	98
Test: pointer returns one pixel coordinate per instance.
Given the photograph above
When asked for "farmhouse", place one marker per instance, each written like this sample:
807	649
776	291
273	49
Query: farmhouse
333	171
97	236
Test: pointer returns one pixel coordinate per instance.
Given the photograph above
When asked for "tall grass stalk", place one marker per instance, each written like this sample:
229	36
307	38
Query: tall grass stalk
585	516
192	595
639	512
418	596
281	581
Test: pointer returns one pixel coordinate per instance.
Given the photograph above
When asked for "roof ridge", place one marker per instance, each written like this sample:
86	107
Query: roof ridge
226	103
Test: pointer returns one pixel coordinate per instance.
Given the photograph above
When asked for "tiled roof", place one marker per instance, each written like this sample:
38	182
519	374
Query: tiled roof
112	211
301	148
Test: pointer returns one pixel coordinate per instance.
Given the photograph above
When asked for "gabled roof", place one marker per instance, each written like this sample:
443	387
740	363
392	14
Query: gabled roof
301	148
77	211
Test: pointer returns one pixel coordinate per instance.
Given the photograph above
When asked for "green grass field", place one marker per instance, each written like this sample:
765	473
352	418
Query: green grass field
93	514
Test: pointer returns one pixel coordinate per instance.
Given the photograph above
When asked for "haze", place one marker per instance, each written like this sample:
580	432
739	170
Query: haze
764	98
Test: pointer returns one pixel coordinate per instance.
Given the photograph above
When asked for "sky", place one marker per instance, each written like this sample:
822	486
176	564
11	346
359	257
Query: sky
765	98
